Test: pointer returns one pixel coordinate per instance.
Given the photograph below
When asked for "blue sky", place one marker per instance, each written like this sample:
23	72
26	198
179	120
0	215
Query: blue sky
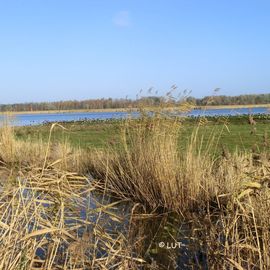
79	49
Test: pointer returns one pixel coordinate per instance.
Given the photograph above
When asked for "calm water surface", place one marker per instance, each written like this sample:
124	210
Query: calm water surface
35	119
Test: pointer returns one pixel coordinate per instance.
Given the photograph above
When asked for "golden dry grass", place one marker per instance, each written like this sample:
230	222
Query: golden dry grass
150	168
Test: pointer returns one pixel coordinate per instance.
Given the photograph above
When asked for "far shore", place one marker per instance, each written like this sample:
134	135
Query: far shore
232	106
208	107
69	111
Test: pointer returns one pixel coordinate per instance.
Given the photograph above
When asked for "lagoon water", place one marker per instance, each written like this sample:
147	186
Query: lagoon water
40	118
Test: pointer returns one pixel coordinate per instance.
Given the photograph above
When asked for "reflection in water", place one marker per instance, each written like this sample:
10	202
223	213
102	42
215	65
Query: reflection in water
166	242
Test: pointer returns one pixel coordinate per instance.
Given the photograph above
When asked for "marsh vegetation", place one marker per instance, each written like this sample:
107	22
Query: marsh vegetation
158	178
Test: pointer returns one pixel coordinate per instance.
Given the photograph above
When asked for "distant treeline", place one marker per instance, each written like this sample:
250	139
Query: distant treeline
230	100
90	104
69	105
110	103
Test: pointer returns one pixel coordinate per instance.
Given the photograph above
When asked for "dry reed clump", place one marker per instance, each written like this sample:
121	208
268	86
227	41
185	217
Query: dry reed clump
148	166
237	236
14	152
151	168
18	154
145	164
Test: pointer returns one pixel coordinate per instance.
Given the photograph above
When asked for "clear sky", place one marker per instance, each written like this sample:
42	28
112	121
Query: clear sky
79	49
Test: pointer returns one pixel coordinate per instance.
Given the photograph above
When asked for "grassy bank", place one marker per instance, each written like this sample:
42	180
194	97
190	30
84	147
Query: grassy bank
234	132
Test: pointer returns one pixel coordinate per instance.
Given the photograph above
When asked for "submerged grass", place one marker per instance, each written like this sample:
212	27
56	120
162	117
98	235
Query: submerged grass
49	218
41	226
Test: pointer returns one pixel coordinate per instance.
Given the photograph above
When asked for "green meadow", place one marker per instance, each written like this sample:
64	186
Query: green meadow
231	133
